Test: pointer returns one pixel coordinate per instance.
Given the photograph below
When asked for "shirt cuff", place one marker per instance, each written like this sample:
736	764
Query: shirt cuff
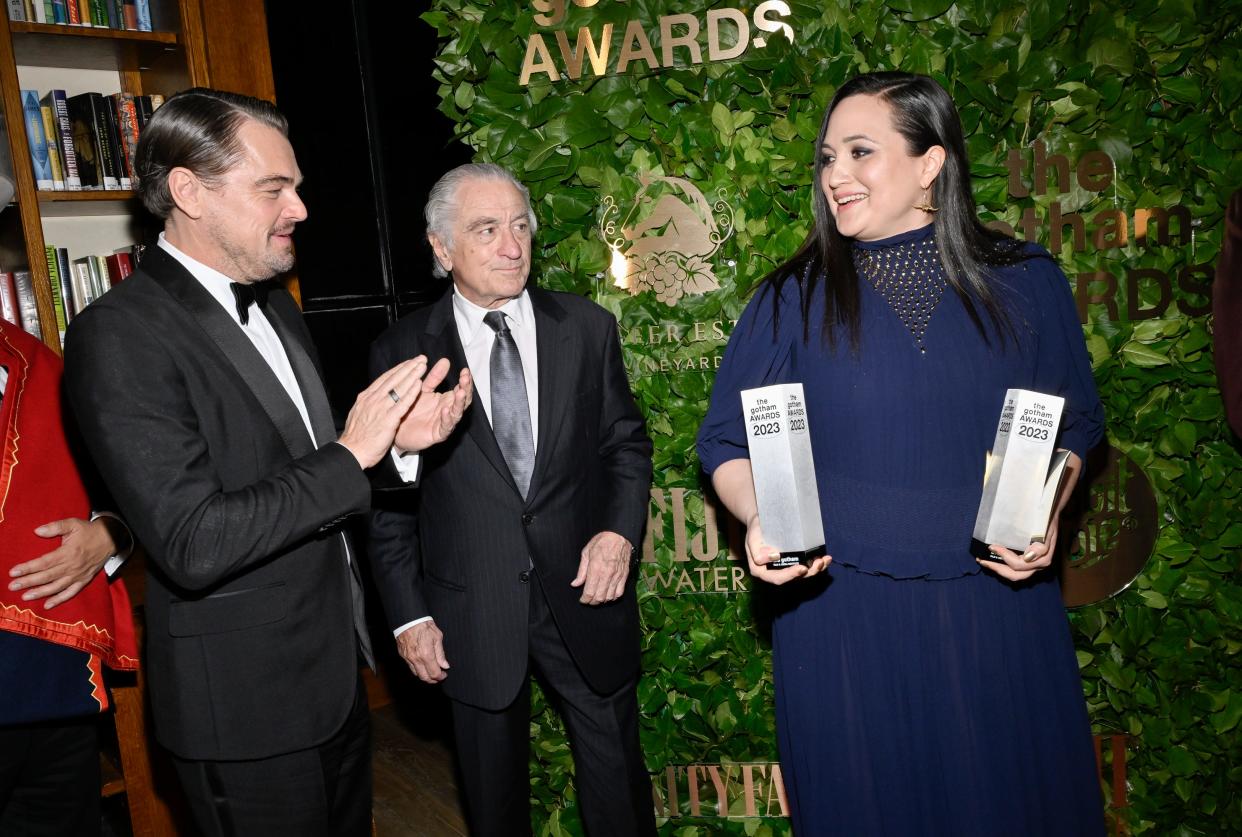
399	631
407	464
115	562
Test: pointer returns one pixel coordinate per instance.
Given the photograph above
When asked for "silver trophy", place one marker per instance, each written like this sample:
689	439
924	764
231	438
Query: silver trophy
1024	472
784	472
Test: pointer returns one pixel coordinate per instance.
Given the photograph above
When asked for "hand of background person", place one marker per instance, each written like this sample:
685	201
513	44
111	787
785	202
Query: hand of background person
372	423
60	574
422	648
759	554
1020	567
433	415
603	568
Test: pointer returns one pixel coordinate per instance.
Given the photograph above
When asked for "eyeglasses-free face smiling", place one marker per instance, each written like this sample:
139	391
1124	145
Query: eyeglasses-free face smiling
868	175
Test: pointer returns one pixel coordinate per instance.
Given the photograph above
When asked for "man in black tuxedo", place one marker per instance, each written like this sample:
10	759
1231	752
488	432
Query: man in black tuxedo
517	553
198	391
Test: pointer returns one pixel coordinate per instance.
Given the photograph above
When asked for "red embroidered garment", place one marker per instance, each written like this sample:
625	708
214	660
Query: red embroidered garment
39	483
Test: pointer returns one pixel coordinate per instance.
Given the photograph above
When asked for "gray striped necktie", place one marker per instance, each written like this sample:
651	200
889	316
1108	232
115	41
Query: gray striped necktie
510	409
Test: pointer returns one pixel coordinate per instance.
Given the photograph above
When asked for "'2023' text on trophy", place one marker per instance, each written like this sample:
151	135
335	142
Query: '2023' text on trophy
1024	472
784	472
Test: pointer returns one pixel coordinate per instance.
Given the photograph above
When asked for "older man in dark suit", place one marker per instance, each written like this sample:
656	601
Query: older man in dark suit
199	394
518	552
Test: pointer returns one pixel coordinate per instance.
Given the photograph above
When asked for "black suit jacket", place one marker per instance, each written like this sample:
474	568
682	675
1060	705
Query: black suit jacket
457	550
251	650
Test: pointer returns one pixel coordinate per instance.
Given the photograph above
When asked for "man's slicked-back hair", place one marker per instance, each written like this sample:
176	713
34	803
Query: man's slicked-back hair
196	129
442	204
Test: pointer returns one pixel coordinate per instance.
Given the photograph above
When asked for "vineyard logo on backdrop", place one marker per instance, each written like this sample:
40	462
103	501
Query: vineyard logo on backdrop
608	49
705	543
1148	292
665	242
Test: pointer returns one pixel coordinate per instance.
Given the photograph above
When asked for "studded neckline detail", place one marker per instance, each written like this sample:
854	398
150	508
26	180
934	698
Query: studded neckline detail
910	278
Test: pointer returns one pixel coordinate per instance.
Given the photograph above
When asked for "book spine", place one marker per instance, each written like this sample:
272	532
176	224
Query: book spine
129	14
40	12
58	299
74	303
60	11
8	299
69	157
53	148
84	11
49	12
82	281
120	265
127	120
110	175
73	13
17	9
99	13
142	9
112	134
27	308
38	141
85	145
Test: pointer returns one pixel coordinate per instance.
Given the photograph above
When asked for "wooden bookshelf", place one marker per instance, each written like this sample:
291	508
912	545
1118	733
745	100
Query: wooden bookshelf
198	43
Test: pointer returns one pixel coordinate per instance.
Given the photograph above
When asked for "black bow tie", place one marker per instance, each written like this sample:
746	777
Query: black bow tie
245	294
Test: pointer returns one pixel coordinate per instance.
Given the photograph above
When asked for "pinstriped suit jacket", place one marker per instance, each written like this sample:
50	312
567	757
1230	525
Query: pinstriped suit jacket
456	547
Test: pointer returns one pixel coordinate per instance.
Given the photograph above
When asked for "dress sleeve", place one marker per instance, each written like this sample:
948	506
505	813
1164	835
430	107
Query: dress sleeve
755	356
1062	364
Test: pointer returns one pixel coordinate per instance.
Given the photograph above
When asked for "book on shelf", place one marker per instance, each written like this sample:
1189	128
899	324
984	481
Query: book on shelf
39	160
64	133
27	308
40	9
119	265
127	122
60	11
53	148
8	299
129	14
73	12
58	290
17	9
92	141
115	151
84	11
73	300
142	10
99	13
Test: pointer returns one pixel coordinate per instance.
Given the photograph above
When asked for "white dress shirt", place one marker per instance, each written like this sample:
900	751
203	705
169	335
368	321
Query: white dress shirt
476	339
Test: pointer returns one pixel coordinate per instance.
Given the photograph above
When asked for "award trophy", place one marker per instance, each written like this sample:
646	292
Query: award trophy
784	472
1024	472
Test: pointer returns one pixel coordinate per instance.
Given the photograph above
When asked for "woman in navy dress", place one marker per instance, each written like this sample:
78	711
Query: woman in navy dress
919	690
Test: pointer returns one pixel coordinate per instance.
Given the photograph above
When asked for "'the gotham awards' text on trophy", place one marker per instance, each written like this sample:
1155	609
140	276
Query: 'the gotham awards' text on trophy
784	472
1024	472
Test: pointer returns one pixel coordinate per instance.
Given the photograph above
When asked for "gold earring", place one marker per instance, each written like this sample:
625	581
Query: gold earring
925	204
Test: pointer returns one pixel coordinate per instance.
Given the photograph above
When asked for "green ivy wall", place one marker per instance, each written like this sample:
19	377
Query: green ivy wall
1153	87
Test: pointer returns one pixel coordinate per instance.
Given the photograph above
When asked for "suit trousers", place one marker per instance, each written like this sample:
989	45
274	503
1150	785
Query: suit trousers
493	748
49	779
323	791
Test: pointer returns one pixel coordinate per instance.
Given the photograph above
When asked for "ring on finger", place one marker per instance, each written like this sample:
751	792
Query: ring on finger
396	399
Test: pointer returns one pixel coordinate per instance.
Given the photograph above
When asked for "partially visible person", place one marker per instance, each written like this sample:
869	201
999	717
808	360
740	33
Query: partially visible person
200	396
1227	314
918	690
61	619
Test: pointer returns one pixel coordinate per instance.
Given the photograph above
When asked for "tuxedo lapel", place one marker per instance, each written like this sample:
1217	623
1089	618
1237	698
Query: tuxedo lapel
442	340
552	337
233	344
309	379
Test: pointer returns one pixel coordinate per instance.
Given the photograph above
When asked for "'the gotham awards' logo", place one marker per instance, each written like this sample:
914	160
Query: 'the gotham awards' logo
665	242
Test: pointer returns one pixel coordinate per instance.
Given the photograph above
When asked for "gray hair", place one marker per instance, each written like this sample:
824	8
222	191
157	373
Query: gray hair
441	210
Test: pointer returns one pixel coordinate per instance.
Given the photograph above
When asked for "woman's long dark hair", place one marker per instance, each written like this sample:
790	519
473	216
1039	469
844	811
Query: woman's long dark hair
924	114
